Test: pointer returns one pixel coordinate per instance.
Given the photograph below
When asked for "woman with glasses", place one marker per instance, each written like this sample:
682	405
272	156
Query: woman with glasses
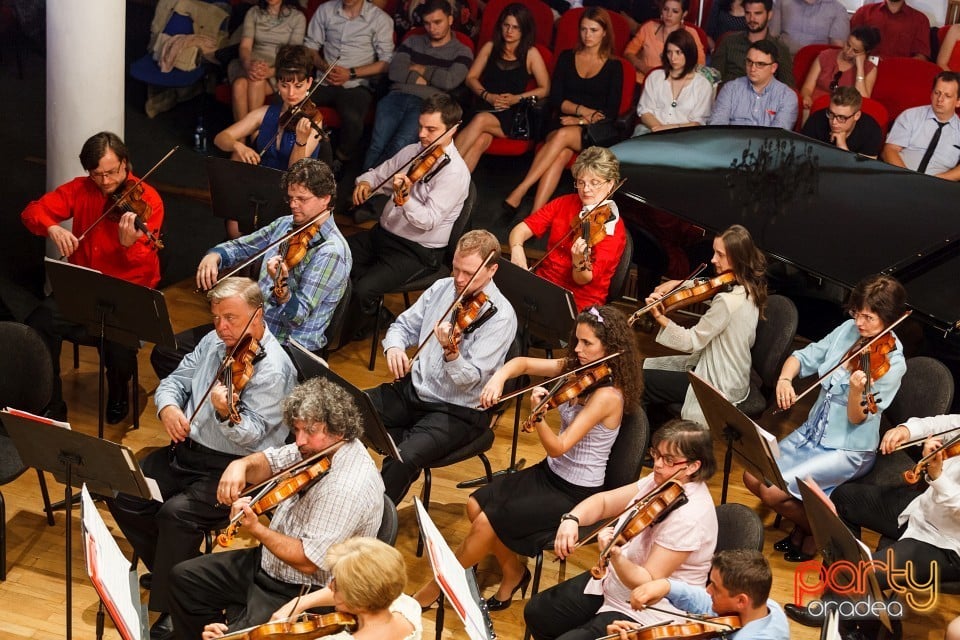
676	95
845	67
585	93
839	439
718	346
646	48
586	272
518	512
678	546
499	77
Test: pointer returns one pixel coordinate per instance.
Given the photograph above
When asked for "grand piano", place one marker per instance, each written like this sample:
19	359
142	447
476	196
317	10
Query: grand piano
833	214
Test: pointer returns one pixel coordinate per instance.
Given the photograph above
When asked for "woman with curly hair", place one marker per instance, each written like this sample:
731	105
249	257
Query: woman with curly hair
518	512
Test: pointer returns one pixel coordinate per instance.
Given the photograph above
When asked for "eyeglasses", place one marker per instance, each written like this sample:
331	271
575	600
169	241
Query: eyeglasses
506	26
298	199
668	460
111	173
836	81
758	64
593	184
839	118
866	317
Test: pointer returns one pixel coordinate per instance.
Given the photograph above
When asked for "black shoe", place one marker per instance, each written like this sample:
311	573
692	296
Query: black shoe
801	615
499	605
509	208
146	581
787	544
117	410
162	629
797	556
56	410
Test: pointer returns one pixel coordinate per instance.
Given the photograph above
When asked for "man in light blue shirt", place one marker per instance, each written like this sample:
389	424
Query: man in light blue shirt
757	99
927	139
739	585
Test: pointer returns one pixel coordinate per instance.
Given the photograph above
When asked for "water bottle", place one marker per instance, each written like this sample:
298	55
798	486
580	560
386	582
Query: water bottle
200	137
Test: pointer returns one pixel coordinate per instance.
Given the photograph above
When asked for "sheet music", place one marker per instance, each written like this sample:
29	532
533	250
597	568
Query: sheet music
452	577
771	441
108	569
33	416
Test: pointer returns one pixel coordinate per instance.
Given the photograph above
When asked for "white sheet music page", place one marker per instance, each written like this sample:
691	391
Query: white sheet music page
451	577
108	569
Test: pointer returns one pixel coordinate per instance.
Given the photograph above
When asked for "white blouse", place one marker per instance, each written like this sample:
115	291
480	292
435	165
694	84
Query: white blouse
692	105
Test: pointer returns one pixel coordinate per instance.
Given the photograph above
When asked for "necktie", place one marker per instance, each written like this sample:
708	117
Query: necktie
922	167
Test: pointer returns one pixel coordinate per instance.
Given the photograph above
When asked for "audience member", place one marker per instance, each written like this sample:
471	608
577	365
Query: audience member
844	124
726	17
757	99
846	67
499	77
803	22
949	56
422	65
731	53
676	95
904	31
266	27
586	91
646	47
356	37
926	139
409	15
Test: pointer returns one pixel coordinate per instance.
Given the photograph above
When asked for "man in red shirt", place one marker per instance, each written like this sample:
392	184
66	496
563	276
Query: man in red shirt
904	31
114	245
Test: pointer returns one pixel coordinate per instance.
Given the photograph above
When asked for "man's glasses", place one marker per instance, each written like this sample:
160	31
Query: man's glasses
111	173
839	118
758	64
298	199
836	81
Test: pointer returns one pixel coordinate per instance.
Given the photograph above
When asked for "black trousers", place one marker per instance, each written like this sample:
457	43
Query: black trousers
383	261
352	106
225	587
171	532
567	613
423	432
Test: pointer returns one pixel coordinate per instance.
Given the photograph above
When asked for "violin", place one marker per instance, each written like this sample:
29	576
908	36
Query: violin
700	629
293	250
306	109
700	290
305	626
875	362
418	170
467	319
237	371
655	508
565	391
129	197
950	449
275	493
593	229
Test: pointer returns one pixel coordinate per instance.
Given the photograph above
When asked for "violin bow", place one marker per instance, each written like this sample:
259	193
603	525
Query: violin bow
722	626
299	107
560	377
422	154
583	214
127	192
913	443
453	305
225	363
644	309
855	354
639	627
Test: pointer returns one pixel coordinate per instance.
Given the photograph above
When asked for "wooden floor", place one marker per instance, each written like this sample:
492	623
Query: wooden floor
32	599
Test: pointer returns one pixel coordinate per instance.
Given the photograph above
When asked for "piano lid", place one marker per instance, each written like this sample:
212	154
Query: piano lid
832	213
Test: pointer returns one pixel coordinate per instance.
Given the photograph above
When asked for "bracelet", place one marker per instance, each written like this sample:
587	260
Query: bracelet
859	77
299	144
787	379
570	516
576	111
483	95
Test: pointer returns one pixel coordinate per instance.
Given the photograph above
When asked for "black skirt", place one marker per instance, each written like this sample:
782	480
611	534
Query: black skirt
524	508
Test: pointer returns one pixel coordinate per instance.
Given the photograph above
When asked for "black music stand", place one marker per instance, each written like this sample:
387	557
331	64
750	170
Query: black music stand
375	435
728	423
111	309
247	193
545	311
74	459
835	541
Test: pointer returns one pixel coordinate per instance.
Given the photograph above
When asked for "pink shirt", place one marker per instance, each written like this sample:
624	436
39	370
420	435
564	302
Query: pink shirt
649	42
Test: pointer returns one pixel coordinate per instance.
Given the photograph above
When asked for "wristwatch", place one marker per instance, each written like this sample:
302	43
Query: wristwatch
353	73
570	516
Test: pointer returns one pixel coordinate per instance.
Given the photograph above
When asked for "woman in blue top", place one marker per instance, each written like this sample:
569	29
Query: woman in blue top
839	439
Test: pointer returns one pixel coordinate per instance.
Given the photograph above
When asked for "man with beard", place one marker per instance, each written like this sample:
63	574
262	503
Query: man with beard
731	53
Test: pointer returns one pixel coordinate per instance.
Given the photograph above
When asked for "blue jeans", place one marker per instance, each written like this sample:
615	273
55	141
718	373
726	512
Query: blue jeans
396	125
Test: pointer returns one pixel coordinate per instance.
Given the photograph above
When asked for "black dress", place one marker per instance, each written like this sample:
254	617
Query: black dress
601	92
504	76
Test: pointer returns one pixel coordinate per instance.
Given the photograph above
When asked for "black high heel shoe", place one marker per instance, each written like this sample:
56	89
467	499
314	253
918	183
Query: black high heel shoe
786	545
499	605
509	208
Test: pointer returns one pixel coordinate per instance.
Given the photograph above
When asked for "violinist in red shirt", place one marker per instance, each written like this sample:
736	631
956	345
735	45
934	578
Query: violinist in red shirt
114	246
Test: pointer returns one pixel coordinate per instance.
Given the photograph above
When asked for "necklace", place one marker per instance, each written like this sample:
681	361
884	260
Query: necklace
676	92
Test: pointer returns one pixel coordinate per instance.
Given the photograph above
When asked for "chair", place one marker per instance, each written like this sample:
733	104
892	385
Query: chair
26	383
870	107
390	523
542	17
803	60
738	527
423	282
775	334
903	83
510	146
335	326
134	388
568	31
618	282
